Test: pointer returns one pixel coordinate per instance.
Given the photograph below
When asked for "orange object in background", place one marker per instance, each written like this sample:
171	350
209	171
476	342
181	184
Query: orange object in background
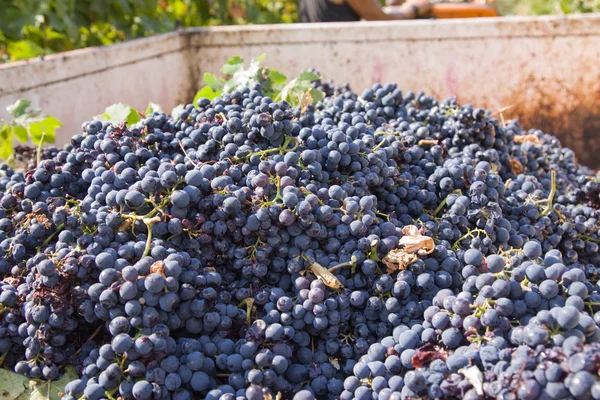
450	10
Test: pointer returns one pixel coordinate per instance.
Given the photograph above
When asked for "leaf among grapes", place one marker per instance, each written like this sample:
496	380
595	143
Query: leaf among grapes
329	279
12	385
398	259
158	268
428	353
118	113
335	362
206	92
528	139
153	107
414	242
475	378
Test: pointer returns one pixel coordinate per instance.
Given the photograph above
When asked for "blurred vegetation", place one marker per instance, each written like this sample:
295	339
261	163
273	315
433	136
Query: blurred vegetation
31	28
545	7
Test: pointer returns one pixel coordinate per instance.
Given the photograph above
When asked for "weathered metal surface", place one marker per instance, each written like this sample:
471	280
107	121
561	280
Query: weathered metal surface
546	68
77	85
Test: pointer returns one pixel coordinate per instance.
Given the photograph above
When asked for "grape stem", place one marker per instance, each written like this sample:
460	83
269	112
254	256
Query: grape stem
550	199
49	238
39	149
443	203
187	155
92	336
351	263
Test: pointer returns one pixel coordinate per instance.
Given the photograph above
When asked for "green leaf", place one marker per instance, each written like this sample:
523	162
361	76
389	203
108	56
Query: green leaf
276	77
24	49
133	117
176	112
19	108
211	80
49	390
308	76
20	133
12	385
205	93
118	113
233	65
230	85
46	129
316	95
153	107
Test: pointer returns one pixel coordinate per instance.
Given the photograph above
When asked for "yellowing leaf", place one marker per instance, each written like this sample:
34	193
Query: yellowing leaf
398	259
326	276
414	242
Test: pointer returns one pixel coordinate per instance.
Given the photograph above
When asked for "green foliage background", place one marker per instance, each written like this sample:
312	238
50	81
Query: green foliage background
31	28
545	7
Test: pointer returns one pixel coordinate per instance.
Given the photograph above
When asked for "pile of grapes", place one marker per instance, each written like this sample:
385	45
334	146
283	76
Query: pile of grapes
374	246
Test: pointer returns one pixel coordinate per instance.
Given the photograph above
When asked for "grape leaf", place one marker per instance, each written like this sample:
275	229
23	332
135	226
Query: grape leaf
19	108
6	142
205	93
45	128
118	113
233	65
20	133
212	81
316	95
328	278
308	76
12	385
414	242
276	77
153	107
176	112
49	390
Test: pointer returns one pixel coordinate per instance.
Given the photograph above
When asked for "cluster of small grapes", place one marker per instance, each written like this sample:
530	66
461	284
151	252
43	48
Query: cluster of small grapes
240	250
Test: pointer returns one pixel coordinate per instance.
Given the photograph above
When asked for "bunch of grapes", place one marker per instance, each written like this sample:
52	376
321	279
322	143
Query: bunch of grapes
240	251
